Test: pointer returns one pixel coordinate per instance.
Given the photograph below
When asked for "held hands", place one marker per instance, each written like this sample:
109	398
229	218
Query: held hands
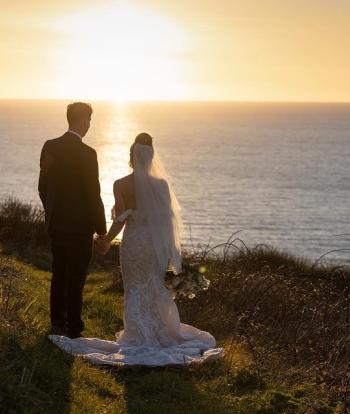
101	244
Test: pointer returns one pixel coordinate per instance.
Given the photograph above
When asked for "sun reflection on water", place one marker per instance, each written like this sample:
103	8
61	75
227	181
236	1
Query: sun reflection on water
112	145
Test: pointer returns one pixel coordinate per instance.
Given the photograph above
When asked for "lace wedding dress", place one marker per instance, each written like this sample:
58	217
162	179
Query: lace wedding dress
153	334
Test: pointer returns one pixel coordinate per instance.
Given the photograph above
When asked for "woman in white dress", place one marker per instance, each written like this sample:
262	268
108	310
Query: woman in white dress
153	334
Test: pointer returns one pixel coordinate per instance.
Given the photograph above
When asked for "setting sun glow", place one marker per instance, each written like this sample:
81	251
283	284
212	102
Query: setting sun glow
122	53
241	50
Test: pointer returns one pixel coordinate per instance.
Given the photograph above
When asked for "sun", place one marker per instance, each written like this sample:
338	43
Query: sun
121	53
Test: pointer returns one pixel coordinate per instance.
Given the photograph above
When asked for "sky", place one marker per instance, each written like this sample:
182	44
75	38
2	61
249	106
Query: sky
239	50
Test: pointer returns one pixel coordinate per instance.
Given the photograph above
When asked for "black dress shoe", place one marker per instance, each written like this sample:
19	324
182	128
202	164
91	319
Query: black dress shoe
74	335
57	330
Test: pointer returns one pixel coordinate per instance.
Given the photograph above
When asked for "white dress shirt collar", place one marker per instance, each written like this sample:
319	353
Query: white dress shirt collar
75	133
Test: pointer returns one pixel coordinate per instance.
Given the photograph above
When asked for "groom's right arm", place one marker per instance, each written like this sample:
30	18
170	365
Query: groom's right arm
100	219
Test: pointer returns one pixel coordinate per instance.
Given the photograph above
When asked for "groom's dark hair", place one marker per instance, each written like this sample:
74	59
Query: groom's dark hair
78	110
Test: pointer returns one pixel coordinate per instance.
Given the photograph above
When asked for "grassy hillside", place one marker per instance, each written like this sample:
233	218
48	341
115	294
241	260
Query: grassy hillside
285	325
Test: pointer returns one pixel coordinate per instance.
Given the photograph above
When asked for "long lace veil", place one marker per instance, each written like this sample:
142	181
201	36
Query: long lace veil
157	202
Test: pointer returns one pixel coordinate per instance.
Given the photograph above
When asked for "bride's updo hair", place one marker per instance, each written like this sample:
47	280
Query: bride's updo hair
143	139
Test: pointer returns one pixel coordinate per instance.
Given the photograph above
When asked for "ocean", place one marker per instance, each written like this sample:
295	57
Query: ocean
276	173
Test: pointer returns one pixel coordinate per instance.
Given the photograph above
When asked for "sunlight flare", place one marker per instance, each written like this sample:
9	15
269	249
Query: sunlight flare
121	54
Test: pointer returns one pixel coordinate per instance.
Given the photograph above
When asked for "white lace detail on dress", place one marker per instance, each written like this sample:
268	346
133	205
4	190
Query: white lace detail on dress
122	216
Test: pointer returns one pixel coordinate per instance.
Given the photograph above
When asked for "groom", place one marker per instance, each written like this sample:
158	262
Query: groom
69	189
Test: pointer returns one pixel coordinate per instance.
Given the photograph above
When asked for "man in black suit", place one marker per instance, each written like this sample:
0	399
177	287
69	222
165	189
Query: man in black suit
70	192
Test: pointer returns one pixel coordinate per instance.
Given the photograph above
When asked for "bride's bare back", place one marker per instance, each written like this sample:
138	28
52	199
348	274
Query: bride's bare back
124	193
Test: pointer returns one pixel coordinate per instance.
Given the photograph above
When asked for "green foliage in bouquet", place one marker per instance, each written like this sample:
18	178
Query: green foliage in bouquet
189	282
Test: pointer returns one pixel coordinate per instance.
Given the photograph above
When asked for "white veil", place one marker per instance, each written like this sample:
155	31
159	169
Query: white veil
157	202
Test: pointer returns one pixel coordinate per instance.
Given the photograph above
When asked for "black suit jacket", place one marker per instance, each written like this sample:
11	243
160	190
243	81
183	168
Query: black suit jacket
69	188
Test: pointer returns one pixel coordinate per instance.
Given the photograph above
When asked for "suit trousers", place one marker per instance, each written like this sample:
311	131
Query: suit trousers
71	256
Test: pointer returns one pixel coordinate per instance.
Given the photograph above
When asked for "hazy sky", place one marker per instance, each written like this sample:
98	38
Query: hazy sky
185	49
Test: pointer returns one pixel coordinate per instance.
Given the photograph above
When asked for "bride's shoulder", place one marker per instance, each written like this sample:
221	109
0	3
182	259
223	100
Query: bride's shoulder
122	182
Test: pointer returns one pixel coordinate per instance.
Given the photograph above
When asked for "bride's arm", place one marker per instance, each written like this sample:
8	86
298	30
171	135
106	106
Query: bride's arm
114	230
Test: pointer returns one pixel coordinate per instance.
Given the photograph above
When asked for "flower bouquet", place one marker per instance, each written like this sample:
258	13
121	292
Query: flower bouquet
187	283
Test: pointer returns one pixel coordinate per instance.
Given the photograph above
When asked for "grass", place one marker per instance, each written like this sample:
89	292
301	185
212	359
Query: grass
284	323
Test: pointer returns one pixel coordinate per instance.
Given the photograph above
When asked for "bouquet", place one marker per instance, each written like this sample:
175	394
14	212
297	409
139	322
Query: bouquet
187	283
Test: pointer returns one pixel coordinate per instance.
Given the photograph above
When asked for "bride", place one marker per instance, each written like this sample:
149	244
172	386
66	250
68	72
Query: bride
153	334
